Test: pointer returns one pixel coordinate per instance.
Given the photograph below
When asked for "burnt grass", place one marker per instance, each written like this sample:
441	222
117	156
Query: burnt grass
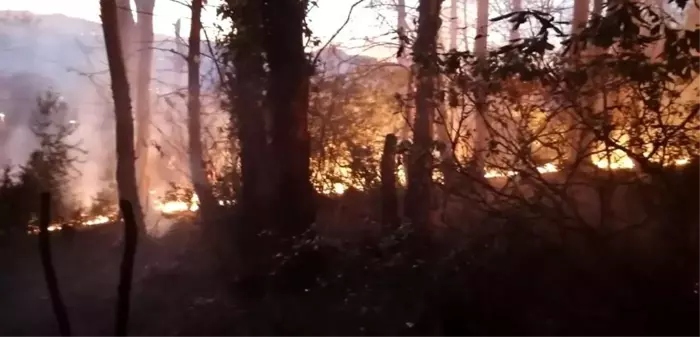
514	286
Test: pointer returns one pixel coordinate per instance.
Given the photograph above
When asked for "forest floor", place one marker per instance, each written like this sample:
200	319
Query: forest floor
169	296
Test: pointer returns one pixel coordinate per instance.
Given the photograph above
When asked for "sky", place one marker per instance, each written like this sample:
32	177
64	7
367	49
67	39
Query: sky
324	19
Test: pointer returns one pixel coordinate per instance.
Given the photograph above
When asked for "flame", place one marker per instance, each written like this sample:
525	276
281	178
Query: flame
97	220
174	207
498	173
547	168
682	161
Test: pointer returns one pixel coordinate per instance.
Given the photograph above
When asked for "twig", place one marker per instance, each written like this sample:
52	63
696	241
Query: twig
347	20
127	267
59	308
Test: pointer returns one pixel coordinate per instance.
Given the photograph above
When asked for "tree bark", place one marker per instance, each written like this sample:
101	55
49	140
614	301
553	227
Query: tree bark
453	24
464	23
517	7
418	196
144	47
200	183
390	216
288	94
480	50
126	269
248	86
578	139
127	187
57	304
404	60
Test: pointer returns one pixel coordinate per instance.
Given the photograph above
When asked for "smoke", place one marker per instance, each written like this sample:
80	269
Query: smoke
96	140
19	145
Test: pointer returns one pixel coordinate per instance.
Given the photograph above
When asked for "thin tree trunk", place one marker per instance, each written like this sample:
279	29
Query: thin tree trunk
480	49
465	30
454	19
144	47
59	308
579	20
445	112
418	196
517	7
405	60
127	25
126	269
390	216
194	125
288	94
450	113
126	169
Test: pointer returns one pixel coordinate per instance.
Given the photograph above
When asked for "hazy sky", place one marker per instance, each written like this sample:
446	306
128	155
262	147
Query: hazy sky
325	19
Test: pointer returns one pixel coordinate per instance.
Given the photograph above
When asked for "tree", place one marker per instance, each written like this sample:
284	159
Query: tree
418	196
127	186
136	38
480	146
144	28
404	60
200	182
51	168
52	164
288	96
245	81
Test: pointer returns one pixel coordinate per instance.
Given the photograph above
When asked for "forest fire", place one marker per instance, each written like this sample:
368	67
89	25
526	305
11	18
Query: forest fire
177	206
97	220
613	161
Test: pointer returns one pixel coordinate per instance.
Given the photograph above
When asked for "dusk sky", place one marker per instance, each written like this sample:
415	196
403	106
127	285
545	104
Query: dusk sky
325	19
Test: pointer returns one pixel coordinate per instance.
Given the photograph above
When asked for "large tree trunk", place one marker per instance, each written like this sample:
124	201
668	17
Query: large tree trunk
288	95
418	197
246	92
126	170
245	81
194	125
144	47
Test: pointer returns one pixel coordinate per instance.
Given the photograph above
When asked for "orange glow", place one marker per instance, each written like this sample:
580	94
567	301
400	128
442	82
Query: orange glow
174	207
98	220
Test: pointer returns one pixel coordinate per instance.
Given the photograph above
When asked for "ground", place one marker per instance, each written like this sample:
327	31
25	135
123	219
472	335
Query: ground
170	296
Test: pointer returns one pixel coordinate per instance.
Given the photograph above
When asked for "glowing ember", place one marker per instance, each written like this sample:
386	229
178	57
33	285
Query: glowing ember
226	202
682	161
98	220
174	207
547	168
496	173
339	188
